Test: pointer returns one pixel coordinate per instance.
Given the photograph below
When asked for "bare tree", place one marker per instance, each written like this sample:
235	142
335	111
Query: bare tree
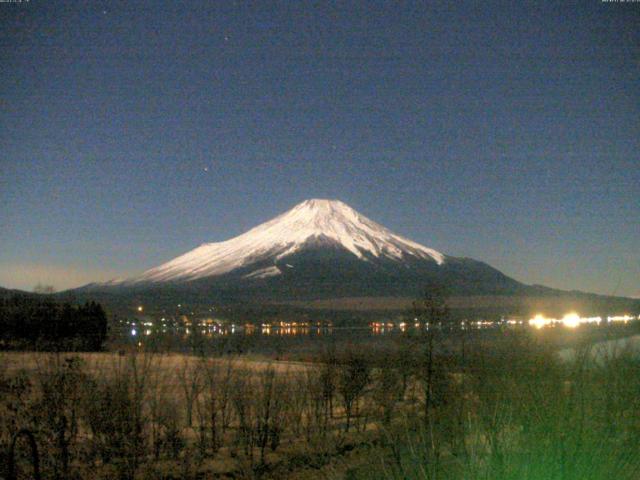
297	397
353	377
315	417
189	378
385	394
328	374
432	310
115	412
241	399
269	406
61	382
217	393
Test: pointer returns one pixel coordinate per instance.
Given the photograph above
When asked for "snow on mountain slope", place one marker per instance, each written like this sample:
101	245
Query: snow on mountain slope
310	222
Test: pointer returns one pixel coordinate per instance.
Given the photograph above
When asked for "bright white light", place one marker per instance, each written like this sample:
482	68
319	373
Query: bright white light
571	320
591	319
133	332
539	321
140	308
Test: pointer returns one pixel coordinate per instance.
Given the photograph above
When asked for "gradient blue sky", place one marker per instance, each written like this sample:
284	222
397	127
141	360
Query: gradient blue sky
509	132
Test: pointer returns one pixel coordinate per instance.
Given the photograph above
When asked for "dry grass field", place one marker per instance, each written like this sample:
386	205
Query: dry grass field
166	363
511	409
192	416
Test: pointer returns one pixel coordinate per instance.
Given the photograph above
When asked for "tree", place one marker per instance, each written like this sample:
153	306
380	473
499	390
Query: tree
433	311
44	289
44	324
269	395
353	377
189	377
389	382
61	382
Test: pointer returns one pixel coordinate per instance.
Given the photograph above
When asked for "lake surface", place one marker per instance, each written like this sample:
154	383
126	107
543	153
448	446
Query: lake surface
601	351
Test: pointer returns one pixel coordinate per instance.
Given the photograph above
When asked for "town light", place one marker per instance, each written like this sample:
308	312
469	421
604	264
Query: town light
571	320
539	321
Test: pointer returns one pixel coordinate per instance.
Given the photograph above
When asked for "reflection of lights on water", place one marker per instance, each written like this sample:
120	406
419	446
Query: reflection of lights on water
591	320
483	323
570	320
211	327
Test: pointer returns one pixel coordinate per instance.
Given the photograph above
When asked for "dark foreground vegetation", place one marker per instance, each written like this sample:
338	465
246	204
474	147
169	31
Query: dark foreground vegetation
39	323
442	403
436	405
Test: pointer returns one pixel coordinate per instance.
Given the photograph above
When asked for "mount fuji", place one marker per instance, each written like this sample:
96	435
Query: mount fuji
318	249
310	225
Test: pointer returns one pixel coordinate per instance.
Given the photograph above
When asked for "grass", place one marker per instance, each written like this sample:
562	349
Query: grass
504	407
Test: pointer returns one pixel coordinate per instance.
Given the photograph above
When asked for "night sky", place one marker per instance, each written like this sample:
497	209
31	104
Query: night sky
509	132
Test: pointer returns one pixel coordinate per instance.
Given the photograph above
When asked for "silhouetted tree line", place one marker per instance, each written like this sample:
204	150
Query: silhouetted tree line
31	323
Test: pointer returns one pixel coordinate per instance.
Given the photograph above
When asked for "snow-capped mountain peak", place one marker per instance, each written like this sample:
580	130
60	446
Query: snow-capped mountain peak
312	222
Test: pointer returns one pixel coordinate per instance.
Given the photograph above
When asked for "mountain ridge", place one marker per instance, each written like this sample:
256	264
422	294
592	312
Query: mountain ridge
319	249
